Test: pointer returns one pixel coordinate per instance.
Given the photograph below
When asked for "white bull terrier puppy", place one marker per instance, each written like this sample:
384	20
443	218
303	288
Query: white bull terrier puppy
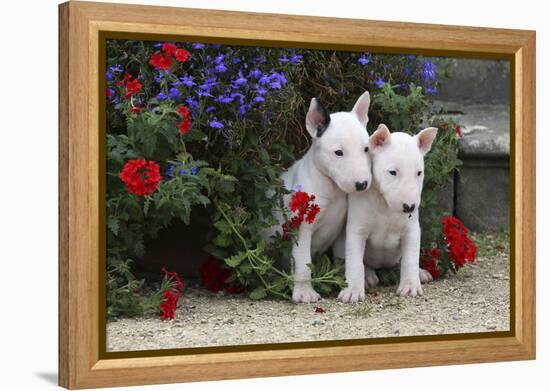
336	164
382	226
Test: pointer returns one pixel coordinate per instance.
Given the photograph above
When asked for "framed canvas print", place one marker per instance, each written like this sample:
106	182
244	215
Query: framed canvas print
247	195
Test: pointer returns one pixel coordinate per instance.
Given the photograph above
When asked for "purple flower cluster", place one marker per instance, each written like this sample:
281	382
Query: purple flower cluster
414	70
171	171
222	80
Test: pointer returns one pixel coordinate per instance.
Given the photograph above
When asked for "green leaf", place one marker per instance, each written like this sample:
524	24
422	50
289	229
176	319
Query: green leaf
236	259
258	293
113	224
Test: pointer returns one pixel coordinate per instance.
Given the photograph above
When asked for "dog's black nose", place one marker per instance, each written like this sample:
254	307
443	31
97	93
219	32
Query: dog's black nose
360	186
408	208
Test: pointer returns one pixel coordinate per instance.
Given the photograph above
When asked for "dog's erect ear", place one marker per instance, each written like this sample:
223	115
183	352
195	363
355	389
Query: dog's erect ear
317	119
379	139
361	108
425	139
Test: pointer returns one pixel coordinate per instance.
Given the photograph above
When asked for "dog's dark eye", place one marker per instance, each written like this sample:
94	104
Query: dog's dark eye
419	173
393	172
339	152
366	149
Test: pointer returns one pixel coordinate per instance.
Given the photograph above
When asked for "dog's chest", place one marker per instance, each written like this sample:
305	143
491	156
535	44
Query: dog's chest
383	247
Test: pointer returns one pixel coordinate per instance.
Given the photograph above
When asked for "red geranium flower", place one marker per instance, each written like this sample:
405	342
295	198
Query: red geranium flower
185	124
108	92
428	261
171	296
458	131
132	87
140	177
181	55
214	277
169	48
168	305
161	61
302	204
135	109
461	248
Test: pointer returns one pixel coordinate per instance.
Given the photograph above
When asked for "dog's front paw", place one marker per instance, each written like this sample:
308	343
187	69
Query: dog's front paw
425	276
410	288
304	294
352	294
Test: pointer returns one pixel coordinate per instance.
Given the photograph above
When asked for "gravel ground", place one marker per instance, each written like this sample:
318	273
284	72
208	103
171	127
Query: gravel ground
476	299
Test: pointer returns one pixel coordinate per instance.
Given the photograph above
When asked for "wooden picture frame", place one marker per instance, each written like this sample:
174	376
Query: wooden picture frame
82	362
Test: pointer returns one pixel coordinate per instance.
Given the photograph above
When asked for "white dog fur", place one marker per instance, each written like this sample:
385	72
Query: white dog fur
337	163
382	227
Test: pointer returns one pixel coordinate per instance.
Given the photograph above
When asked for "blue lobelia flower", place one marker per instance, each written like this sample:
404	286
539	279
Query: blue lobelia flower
109	75
379	82
297	188
161	96
259	99
284	59
194	170
243	108
240	80
237	95
174	93
183	172
275	85
192	103
116	68
428	70
198	46
431	90
264	79
169	174
296	58
256	73
221	68
209	109
279	76
187	81
363	60
225	99
261	91
216	124
407	71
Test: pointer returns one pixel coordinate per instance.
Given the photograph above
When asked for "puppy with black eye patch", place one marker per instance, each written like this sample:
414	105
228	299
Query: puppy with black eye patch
382	227
336	164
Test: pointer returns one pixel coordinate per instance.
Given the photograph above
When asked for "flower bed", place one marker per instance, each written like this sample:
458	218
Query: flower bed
191	125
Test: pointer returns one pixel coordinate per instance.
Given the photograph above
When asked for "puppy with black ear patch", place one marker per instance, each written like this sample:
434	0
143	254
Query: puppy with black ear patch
336	164
382	225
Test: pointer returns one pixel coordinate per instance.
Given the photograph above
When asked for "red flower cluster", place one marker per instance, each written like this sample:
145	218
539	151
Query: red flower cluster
302	204
185	124
461	248
171	296
163	59
428	261
215	278
140	177
132	87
